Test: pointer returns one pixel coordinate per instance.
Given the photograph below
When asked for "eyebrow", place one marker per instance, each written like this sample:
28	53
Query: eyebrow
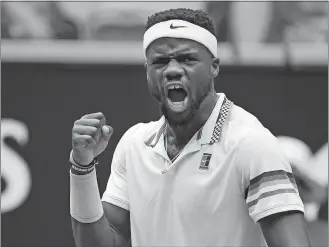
177	54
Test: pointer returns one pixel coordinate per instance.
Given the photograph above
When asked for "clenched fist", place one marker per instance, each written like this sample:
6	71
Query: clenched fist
90	137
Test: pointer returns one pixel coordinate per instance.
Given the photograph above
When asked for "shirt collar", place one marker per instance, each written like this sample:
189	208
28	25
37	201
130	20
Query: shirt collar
207	132
153	138
211	130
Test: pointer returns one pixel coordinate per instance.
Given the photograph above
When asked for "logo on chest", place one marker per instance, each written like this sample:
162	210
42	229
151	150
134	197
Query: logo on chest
204	164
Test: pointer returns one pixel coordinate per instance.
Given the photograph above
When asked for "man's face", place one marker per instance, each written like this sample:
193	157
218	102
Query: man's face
180	76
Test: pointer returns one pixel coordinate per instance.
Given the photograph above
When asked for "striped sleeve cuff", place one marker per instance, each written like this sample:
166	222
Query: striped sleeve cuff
272	190
278	209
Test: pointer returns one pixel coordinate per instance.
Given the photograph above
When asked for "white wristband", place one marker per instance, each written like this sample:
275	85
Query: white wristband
85	201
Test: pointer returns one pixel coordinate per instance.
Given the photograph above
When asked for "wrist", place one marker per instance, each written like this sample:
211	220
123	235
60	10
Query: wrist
80	162
78	169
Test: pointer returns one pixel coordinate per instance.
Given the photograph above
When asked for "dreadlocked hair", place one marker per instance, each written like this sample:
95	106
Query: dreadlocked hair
197	17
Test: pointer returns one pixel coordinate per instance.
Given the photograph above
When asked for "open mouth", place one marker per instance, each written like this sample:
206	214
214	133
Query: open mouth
177	98
176	94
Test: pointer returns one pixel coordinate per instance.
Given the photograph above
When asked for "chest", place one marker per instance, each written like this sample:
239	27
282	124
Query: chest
173	151
201	183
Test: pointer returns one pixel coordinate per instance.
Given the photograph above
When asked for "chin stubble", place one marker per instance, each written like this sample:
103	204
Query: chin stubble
163	111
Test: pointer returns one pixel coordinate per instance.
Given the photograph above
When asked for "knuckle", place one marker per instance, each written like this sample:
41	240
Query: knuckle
74	129
75	141
90	139
93	129
76	122
101	115
97	122
85	116
75	135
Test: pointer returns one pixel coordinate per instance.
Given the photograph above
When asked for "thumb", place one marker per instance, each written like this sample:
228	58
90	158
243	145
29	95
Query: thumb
107	132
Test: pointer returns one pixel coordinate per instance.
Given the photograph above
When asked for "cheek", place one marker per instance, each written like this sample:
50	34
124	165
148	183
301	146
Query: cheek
199	81
199	72
155	78
153	84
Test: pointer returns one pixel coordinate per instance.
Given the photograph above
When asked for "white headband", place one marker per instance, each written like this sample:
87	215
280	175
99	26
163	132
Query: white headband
180	29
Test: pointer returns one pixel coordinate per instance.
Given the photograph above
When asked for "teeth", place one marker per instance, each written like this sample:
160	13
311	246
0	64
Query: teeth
174	87
178	103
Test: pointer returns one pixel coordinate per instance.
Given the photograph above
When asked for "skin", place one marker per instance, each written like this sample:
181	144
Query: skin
197	74
190	63
285	229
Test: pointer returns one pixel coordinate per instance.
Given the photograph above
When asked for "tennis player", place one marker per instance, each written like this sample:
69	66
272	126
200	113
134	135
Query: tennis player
207	173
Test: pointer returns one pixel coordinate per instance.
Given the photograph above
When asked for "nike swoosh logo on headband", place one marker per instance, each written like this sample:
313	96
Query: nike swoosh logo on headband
174	27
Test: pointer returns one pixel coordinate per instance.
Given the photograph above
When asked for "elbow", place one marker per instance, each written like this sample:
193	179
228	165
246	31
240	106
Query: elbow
96	234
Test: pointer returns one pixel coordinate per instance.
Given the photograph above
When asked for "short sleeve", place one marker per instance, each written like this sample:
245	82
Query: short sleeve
117	189
266	176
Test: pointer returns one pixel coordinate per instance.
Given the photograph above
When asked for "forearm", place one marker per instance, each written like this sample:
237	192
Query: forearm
89	223
95	223
96	234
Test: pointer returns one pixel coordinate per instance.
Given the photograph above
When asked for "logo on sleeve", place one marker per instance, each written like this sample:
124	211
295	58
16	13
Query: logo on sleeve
204	165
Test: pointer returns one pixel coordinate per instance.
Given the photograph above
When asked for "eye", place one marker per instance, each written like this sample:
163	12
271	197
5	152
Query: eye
160	61
188	59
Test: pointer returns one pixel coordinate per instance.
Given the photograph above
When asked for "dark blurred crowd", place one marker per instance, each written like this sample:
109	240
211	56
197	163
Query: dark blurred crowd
235	21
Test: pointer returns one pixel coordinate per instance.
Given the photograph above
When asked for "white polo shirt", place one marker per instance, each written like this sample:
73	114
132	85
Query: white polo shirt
231	174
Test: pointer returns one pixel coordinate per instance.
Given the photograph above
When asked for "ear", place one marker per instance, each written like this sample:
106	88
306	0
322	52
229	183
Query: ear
215	67
147	76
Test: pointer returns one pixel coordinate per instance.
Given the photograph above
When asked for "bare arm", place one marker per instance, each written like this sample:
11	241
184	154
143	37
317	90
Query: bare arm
94	223
285	229
113	229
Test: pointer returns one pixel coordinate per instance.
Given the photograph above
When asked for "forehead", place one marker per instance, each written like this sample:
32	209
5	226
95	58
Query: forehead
175	46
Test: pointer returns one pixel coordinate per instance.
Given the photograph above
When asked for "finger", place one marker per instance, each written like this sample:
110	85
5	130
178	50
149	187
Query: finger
83	140
98	115
84	130
88	122
107	132
88	130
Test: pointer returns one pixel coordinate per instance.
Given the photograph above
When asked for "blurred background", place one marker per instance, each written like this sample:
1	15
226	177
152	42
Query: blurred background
61	60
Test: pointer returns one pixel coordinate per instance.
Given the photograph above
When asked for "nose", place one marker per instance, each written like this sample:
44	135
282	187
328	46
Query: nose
174	71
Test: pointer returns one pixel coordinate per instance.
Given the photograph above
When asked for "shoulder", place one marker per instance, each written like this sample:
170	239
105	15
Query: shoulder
140	132
240	125
259	151
249	137
240	115
258	141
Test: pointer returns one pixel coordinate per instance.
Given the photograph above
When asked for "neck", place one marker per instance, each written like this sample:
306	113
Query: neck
182	134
